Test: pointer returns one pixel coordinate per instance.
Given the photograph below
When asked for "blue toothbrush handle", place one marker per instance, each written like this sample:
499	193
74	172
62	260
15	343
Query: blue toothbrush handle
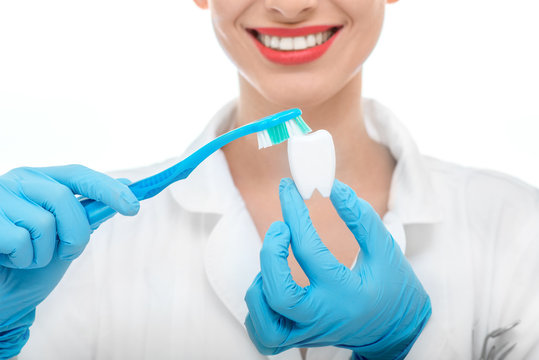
97	212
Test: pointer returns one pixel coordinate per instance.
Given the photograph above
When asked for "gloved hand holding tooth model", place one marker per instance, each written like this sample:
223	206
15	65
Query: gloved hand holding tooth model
377	309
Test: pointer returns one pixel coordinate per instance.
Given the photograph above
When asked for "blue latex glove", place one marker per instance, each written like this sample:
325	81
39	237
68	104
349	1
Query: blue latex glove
377	309
43	227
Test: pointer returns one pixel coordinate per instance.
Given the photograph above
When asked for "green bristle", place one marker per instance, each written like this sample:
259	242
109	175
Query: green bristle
278	134
302	125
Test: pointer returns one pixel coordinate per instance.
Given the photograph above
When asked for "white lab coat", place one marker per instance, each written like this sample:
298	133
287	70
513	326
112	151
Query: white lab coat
170	282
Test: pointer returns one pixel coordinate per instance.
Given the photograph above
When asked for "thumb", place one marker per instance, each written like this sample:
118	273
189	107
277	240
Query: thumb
315	259
362	220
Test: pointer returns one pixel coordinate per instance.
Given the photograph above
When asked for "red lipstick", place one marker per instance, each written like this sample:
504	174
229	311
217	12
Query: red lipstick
294	57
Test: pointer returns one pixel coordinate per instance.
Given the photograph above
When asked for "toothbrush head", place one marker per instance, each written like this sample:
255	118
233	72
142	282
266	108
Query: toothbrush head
283	126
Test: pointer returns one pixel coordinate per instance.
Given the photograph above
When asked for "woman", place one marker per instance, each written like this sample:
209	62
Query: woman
183	279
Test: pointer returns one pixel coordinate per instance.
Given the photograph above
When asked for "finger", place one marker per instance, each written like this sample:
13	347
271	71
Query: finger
255	339
268	329
72	224
281	291
40	224
96	186
313	256
15	244
360	217
253	335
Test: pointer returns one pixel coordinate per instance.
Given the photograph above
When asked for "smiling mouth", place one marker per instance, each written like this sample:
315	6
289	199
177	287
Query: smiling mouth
306	38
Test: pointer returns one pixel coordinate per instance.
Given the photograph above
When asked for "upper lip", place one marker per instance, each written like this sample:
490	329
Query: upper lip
291	32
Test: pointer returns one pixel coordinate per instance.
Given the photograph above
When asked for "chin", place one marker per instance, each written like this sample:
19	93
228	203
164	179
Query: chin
292	99
295	91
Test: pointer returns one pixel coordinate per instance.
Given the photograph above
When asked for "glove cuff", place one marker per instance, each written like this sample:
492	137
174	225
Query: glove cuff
14	337
12	342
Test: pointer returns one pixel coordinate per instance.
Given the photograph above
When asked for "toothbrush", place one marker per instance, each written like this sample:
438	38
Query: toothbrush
271	130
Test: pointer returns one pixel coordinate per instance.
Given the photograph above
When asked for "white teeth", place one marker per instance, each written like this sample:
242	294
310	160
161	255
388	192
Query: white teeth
312	162
275	41
286	43
300	43
294	43
266	40
311	40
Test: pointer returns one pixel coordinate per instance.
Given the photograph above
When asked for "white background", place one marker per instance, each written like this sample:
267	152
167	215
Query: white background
114	83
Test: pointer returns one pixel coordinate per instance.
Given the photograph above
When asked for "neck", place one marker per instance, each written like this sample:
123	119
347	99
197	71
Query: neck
357	155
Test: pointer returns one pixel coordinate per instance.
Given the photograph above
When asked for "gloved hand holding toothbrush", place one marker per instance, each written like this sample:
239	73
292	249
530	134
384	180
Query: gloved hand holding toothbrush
43	227
377	309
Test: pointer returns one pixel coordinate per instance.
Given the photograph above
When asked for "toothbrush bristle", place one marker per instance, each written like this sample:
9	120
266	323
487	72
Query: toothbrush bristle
304	128
278	133
282	132
264	140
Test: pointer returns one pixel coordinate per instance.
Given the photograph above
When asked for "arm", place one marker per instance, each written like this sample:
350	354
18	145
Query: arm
504	216
43	227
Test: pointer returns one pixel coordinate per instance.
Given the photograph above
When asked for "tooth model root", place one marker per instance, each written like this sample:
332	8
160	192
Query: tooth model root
312	162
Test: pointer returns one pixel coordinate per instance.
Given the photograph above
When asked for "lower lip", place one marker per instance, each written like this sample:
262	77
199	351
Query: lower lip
295	57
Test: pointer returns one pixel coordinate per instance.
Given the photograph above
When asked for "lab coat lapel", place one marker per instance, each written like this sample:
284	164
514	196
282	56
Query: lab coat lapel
232	261
412	198
232	258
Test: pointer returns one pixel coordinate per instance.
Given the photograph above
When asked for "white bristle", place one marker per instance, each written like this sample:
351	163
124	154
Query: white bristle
267	139
293	128
289	128
264	140
259	138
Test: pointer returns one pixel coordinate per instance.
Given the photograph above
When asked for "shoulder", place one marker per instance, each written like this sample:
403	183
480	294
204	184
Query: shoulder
484	184
485	195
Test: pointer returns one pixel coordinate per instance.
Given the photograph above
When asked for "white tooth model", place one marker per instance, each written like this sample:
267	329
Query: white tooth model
312	162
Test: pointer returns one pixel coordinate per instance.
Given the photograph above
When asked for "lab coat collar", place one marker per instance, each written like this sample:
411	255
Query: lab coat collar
209	188
412	199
